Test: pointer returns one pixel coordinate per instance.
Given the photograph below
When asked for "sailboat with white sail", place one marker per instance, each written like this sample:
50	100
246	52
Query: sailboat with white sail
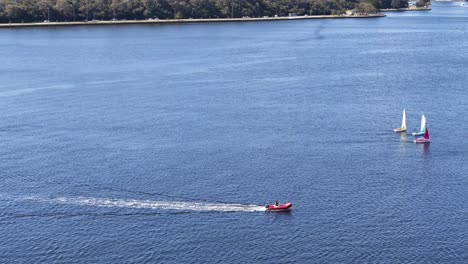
423	127
403	124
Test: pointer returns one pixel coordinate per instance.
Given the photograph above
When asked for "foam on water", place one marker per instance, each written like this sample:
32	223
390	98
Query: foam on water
148	204
22	91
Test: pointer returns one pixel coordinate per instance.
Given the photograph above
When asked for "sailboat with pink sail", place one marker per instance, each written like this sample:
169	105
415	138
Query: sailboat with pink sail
425	138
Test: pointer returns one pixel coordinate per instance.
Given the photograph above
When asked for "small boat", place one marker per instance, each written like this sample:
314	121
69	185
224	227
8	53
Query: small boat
403	124
425	138
278	207
423	127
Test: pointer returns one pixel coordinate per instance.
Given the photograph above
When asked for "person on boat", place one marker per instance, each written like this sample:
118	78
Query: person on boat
276	203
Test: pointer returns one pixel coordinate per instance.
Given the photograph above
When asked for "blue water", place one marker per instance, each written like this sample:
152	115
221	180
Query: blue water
161	144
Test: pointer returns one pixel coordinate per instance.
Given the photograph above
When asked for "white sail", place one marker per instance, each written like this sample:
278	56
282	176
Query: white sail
403	120
423	123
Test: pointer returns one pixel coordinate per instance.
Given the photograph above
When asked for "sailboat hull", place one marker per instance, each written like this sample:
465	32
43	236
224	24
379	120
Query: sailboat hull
421	141
418	133
399	130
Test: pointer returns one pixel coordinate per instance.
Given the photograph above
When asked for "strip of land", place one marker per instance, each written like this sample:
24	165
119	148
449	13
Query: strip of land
406	9
177	21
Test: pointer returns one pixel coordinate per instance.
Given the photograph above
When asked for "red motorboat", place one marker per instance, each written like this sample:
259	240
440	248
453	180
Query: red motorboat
277	207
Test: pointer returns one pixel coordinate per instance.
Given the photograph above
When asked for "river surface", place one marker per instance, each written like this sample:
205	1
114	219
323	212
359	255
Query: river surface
162	144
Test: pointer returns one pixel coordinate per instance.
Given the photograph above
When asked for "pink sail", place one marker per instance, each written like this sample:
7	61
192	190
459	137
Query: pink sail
426	133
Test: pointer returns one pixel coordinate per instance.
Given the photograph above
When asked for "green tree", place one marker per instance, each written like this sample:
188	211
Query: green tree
422	3
365	8
74	10
44	8
14	11
399	3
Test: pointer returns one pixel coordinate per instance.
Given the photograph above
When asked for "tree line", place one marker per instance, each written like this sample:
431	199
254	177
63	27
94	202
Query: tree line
85	10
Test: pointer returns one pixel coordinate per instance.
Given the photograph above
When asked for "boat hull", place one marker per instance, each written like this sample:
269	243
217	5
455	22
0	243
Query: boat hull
278	208
422	141
399	130
418	133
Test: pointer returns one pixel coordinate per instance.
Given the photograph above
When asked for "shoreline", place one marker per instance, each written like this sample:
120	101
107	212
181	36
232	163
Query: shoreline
405	9
179	21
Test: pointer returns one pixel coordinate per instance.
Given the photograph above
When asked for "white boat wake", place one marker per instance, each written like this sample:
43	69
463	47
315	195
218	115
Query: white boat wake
27	90
148	204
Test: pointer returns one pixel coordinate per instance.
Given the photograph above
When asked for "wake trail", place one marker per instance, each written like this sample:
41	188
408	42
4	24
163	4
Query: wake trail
147	204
